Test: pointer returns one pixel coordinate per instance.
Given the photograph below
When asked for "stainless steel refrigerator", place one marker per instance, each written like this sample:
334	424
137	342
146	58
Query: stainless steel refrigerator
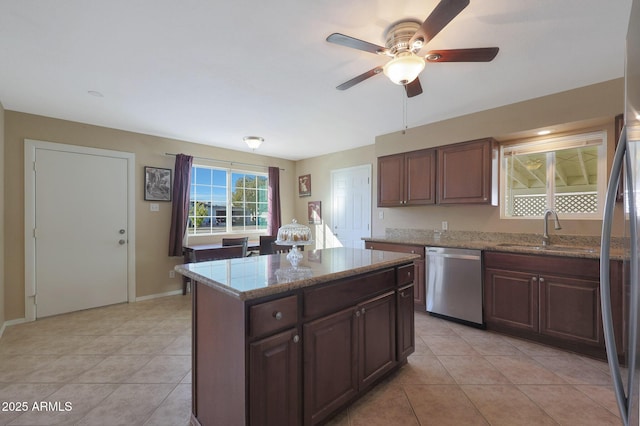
626	159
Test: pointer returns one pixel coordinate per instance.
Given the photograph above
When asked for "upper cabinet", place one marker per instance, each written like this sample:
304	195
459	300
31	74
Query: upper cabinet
407	179
467	173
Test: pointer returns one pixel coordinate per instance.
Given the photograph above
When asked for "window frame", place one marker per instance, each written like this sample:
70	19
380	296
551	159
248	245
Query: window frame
229	226
555	144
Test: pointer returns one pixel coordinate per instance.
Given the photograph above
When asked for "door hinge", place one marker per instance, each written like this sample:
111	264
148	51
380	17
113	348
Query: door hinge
35	233
34	166
35	299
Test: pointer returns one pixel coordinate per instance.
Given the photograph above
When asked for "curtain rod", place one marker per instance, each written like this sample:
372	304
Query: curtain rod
225	162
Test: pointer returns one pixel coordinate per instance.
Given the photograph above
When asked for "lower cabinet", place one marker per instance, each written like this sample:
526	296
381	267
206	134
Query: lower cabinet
274	366
419	289
298	357
550	299
346	352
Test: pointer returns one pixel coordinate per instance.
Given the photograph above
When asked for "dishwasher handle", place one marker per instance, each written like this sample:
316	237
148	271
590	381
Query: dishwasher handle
454	256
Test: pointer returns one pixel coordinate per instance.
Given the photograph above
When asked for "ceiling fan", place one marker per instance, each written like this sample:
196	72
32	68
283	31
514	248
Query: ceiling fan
405	39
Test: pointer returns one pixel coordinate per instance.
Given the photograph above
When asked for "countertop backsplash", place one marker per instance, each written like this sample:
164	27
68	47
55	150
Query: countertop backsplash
427	236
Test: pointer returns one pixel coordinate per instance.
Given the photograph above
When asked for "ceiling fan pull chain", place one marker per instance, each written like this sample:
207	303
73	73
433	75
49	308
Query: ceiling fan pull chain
404	112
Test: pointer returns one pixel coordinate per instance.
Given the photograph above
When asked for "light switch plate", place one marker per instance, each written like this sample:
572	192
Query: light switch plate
154	207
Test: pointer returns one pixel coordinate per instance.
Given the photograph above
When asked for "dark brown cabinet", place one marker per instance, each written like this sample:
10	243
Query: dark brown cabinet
299	356
406	322
419	289
274	372
345	353
554	300
468	173
407	179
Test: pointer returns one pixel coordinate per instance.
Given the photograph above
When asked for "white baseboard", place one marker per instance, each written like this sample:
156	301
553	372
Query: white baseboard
11	322
155	296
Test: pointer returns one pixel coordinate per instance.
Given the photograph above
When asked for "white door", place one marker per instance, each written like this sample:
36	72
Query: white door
351	206
81	229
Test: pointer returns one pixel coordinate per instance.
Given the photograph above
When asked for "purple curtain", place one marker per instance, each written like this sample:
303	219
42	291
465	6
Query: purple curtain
180	203
274	219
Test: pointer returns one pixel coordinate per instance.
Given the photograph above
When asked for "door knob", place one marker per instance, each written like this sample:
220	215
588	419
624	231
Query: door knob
121	242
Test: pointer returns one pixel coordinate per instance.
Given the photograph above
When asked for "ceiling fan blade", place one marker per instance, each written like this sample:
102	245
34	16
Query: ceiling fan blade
360	78
480	54
345	40
414	88
444	12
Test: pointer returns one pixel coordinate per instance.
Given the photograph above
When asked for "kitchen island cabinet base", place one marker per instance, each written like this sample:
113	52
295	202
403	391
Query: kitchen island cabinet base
249	355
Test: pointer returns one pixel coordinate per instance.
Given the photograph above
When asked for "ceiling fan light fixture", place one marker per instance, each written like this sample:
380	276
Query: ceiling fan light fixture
404	68
253	142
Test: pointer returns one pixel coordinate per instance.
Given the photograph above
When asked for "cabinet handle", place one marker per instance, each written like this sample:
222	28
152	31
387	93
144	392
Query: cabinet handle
277	315
534	279
296	338
404	294
357	313
362	311
541	279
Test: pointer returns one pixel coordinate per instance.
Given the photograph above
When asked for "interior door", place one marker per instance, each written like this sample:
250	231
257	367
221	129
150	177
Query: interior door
351	206
81	231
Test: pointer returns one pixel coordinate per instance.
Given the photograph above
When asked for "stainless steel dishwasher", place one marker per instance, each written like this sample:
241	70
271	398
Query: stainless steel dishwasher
454	284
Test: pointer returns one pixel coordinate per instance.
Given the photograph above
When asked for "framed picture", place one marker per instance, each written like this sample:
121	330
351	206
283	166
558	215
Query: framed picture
304	186
315	212
157	184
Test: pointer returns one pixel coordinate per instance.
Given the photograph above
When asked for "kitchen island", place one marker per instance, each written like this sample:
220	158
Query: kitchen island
277	345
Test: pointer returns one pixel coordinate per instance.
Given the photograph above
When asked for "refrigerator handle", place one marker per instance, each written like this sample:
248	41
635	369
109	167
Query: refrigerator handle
605	285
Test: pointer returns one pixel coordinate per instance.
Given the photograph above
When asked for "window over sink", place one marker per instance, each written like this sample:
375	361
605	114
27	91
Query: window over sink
227	201
566	174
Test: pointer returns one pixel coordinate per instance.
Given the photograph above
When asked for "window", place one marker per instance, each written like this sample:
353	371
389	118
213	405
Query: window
565	174
225	201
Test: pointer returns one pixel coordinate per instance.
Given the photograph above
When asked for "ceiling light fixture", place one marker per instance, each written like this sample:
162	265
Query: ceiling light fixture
544	132
404	68
254	142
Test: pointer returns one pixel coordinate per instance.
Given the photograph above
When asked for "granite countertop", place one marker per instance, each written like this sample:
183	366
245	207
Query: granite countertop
561	245
257	276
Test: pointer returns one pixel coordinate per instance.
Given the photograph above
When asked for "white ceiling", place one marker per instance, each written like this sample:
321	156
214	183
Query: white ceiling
212	72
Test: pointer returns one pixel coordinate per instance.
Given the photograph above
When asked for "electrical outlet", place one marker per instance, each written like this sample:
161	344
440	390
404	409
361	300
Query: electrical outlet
172	274
445	225
381	214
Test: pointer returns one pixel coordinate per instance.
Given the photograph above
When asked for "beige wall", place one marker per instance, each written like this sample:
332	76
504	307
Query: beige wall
581	107
2	204
152	228
320	170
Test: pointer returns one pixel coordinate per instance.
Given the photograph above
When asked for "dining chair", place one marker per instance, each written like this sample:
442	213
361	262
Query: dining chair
243	241
224	252
266	244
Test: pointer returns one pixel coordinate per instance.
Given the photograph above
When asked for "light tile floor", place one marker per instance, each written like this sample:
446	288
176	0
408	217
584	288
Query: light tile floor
130	365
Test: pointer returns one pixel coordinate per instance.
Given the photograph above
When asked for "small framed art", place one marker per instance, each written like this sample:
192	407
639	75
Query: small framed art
157	184
304	186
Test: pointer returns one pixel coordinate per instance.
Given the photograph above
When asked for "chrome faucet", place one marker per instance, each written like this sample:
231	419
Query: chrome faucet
545	235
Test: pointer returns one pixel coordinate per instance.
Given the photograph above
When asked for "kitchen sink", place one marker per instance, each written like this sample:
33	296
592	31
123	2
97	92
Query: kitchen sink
556	248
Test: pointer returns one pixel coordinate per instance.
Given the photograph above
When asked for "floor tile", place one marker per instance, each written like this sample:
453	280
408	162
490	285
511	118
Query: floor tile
443	405
114	369
175	410
524	370
569	406
449	345
386	404
472	370
162	369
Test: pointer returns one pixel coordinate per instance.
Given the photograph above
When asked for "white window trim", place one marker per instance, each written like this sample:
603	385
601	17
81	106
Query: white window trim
229	223
547	145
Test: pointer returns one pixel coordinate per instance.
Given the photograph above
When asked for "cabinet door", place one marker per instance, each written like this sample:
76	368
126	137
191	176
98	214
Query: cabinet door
406	322
420	177
391	181
377	337
511	299
570	309
420	286
274	380
330	364
467	173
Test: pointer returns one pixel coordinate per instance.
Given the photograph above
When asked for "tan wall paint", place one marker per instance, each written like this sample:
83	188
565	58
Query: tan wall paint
320	170
598	103
152	228
2	205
